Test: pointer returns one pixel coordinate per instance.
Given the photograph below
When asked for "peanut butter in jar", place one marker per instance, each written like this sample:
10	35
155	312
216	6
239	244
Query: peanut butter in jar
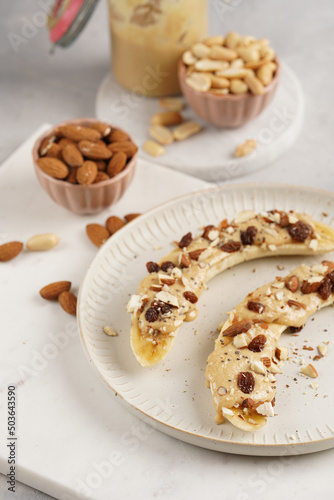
148	39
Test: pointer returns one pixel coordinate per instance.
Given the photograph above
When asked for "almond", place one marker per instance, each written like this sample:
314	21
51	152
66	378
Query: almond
100	177
72	176
309	371
72	156
117	136
87	173
116	163
42	242
239	327
101	165
46	144
127	147
53	290
114	223
53	167
68	302
130	217
97	234
292	283
94	151
103	128
64	141
54	151
10	250
77	133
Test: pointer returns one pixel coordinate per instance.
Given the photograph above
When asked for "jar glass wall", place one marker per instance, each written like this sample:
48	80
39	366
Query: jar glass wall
148	39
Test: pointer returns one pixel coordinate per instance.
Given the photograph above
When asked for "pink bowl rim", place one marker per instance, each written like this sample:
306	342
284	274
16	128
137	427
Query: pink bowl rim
228	97
98	185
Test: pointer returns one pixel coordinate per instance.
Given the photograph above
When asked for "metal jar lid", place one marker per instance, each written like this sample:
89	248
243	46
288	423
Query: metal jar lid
67	19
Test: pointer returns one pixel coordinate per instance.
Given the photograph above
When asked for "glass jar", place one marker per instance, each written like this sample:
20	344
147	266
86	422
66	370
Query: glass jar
148	39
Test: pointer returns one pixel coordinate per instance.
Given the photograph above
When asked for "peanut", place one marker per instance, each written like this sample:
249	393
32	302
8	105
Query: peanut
42	242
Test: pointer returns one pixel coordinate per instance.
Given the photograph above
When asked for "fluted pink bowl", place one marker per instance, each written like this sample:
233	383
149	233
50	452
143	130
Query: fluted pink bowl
230	110
77	198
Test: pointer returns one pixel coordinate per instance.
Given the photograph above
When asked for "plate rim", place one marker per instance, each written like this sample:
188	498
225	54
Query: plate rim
153	421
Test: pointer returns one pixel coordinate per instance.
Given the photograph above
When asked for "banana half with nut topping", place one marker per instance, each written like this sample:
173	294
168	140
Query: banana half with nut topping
168	295
241	371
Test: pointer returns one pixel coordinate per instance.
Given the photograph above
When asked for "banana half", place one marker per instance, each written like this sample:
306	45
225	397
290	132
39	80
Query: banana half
241	371
168	295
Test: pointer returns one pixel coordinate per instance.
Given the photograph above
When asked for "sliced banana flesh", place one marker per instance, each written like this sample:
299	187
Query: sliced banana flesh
171	293
241	371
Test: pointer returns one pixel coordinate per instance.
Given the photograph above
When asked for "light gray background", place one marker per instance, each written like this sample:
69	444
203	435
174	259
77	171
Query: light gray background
37	87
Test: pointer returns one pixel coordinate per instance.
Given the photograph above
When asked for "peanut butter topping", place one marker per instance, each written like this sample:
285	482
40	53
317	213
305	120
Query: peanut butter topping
254	351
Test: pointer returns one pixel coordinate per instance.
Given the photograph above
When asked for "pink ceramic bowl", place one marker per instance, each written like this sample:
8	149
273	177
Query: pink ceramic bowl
78	198
230	110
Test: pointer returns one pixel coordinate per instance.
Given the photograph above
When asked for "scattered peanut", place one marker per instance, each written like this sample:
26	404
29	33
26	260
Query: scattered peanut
42	242
246	148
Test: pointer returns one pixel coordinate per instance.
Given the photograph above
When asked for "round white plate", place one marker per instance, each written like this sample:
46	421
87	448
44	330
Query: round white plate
172	396
209	155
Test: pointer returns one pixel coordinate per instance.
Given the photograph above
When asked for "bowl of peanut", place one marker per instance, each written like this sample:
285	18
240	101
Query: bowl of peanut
229	80
85	165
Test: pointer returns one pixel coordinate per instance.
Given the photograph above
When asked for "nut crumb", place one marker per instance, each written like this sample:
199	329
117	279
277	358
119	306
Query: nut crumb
108	330
280	267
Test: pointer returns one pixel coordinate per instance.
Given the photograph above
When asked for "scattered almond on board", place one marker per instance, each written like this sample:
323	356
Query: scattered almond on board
232	64
99	234
60	290
85	155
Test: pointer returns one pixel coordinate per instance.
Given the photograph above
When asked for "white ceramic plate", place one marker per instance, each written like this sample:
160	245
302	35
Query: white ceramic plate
172	396
212	158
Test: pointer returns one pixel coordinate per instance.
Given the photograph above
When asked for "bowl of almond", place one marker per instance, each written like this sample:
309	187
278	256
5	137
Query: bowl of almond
85	165
229	80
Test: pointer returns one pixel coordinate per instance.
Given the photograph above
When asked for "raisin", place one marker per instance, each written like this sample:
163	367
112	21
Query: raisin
296	329
248	236
151	314
167	266
231	246
246	382
257	344
331	276
325	288
185	240
292	283
152	267
191	297
257	307
161	307
299	231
